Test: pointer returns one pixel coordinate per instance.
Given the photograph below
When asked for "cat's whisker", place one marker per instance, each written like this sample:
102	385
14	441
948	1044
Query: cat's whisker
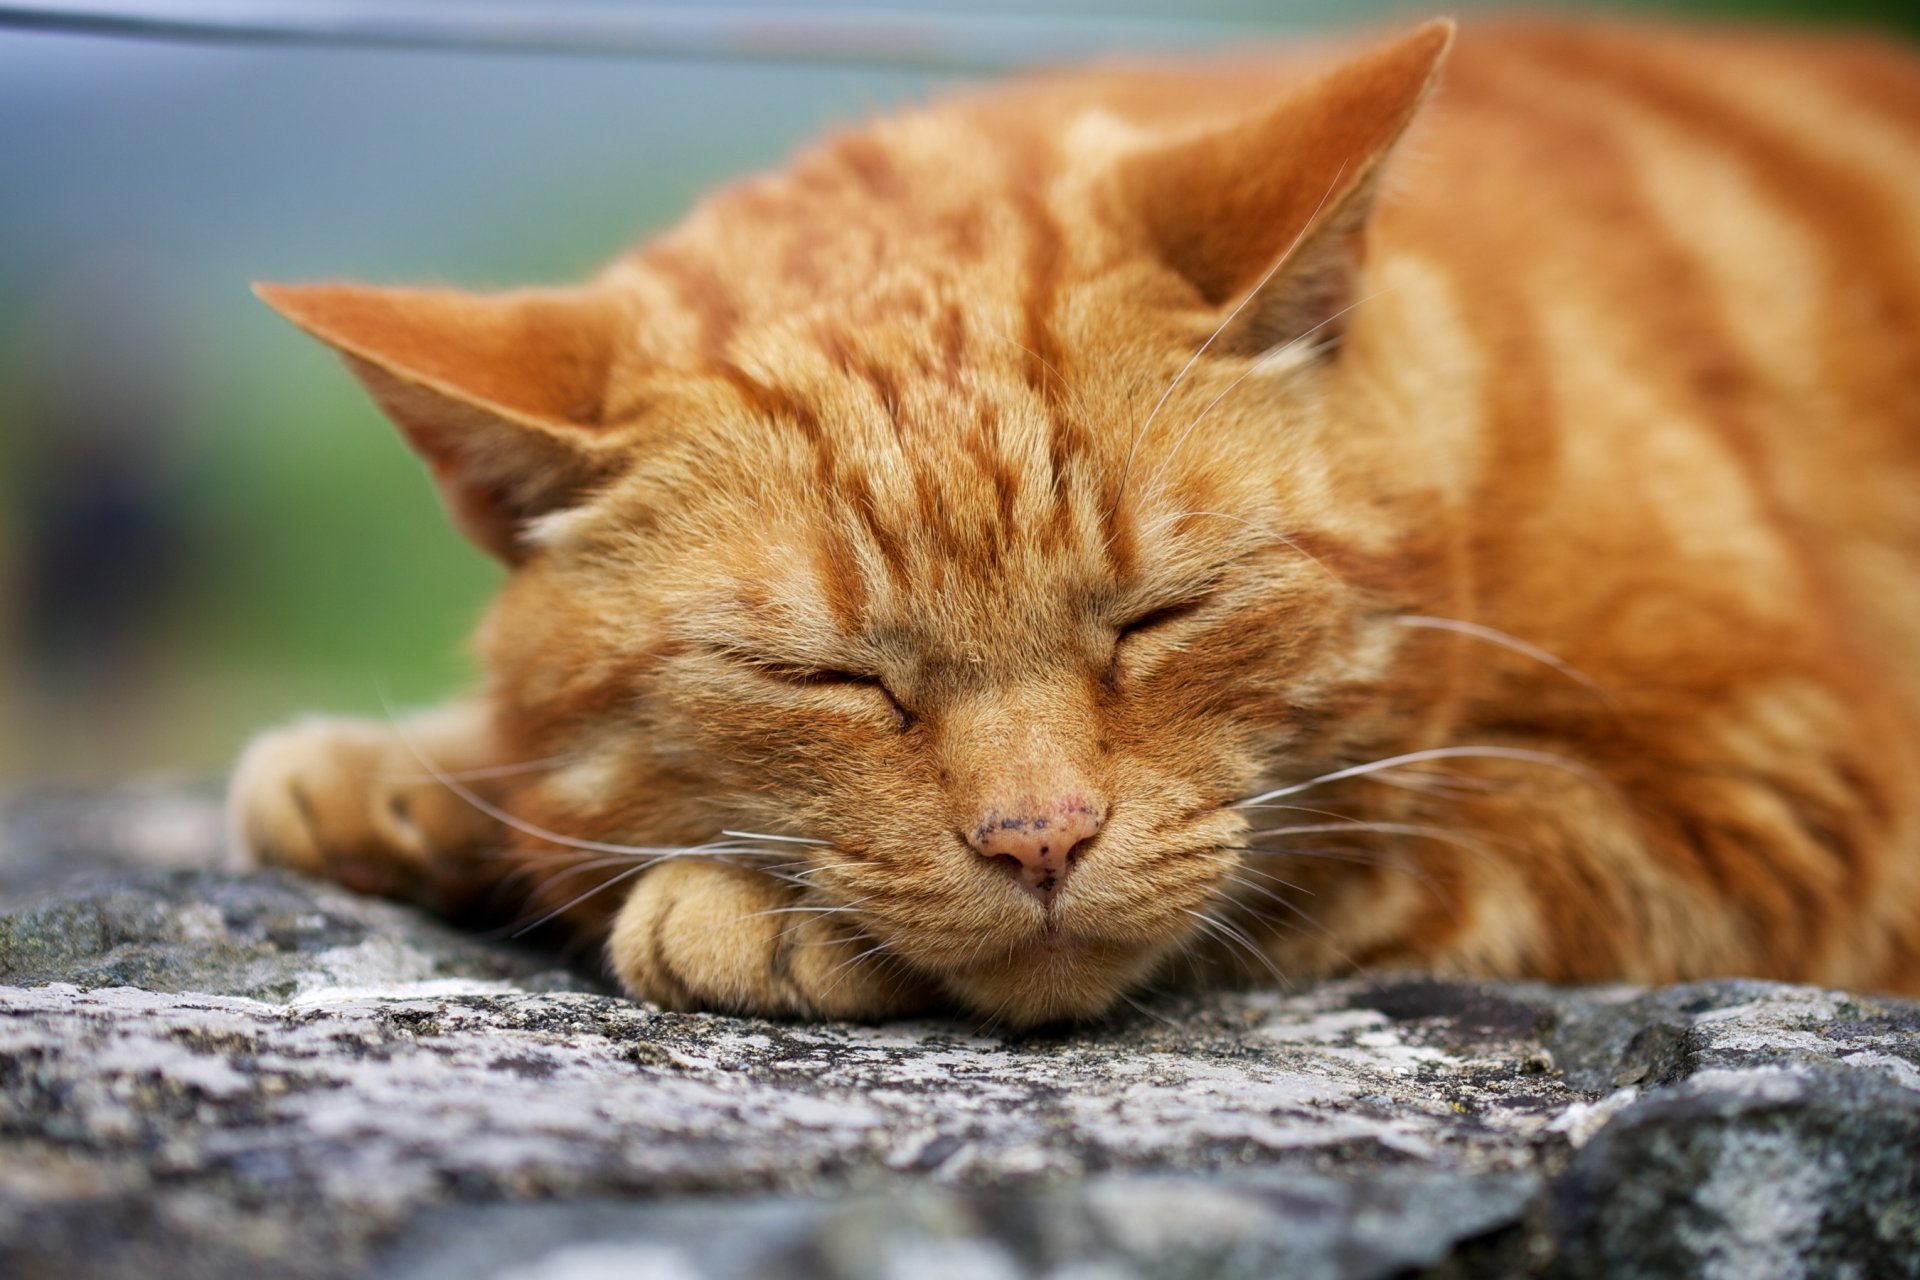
1513	644
1260	889
1268	875
563	867
787	877
1329	814
809	910
1305	920
845	969
485	771
1446	786
1236	938
1521	754
571	903
775	839
1417	829
1356	857
805	870
866	953
500	815
1143	1010
1237	868
702	852
1331	853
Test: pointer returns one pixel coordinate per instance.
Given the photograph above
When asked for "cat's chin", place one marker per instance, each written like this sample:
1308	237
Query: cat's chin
1055	977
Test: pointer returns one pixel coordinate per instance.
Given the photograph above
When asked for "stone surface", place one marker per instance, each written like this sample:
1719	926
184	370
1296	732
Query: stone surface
207	1074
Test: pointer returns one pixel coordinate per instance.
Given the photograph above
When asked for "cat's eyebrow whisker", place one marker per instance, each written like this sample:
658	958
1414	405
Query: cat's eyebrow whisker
1079	402
1513	644
1153	481
1133	449
1281	538
1521	754
1264	364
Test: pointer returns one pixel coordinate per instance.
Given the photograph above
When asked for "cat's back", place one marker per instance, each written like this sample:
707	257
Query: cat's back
1695	256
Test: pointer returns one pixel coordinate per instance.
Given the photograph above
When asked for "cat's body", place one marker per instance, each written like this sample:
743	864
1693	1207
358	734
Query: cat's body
999	498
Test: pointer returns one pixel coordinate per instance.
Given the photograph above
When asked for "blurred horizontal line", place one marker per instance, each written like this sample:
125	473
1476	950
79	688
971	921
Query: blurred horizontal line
924	41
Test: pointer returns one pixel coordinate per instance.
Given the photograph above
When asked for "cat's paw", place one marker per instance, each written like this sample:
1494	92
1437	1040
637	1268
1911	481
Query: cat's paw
706	935
346	800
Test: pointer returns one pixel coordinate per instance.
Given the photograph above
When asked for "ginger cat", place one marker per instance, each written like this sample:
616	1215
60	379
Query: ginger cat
1361	507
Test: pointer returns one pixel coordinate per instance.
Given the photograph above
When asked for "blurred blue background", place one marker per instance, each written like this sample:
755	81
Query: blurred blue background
203	527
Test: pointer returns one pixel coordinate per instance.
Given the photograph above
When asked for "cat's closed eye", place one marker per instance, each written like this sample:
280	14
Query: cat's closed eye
1159	619
799	674
1156	623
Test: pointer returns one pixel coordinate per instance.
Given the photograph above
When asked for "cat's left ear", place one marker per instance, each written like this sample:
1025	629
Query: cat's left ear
1269	211
503	395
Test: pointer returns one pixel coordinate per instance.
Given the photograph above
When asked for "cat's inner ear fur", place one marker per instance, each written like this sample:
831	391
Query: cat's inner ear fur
1271	210
503	395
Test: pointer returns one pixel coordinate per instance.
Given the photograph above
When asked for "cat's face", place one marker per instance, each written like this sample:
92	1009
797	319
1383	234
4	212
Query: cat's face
890	648
922	507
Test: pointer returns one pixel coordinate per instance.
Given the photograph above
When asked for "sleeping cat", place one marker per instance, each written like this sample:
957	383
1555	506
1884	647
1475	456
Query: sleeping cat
1247	521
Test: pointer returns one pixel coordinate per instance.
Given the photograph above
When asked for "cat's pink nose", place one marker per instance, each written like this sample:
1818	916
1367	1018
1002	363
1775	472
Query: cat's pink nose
1038	841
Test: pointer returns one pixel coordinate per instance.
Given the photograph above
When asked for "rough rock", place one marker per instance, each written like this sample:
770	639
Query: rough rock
211	1074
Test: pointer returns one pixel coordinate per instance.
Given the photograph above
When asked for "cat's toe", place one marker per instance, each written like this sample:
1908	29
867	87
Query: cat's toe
269	807
697	935
318	797
706	935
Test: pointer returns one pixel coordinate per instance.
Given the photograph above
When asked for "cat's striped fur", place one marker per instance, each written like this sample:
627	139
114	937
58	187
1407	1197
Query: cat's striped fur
1130	445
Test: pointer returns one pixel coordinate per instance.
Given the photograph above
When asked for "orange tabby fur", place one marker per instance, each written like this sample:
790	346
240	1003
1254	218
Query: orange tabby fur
1578	432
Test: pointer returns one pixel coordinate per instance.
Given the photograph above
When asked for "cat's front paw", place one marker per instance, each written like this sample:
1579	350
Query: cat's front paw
346	800
707	935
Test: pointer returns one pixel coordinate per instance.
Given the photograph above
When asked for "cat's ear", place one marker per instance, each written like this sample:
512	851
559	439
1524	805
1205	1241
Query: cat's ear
1270	210
503	394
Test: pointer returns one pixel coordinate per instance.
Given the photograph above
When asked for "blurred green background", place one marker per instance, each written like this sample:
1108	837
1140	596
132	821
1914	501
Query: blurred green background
204	529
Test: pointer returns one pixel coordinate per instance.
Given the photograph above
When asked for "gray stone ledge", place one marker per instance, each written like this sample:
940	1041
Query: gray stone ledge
206	1074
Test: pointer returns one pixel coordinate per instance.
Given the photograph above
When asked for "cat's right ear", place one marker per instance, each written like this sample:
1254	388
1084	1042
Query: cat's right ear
1265	216
503	394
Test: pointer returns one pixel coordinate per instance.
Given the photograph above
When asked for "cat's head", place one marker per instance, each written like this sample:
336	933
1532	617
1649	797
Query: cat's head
991	497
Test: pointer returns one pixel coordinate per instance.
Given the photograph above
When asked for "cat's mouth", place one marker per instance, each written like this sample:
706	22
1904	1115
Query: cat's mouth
1054	938
1057	974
